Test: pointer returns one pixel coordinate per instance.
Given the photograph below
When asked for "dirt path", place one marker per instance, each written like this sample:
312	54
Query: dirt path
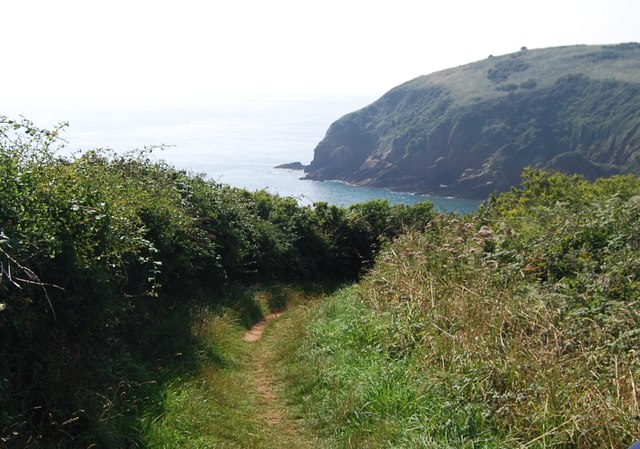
263	383
282	423
255	333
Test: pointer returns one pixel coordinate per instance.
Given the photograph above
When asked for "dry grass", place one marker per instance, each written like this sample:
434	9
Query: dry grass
481	325
453	341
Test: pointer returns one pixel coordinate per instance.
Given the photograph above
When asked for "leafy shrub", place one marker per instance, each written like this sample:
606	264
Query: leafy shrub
99	253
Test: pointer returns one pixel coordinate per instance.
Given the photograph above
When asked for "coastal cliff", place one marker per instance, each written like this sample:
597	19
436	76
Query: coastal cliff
470	130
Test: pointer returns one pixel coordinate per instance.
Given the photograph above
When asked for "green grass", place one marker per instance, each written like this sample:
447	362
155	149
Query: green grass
218	406
103	258
513	328
366	377
211	409
360	387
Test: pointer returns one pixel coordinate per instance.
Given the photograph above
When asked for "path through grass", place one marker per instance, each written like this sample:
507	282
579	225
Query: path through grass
235	399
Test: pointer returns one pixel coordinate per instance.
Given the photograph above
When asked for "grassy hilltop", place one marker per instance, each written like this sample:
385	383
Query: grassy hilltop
470	130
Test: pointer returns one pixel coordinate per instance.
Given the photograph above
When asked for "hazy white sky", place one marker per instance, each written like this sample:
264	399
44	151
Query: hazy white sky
86	50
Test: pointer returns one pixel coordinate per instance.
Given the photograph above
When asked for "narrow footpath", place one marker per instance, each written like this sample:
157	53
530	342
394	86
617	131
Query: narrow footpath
272	409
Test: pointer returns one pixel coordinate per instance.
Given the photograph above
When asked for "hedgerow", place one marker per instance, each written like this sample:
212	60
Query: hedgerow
99	252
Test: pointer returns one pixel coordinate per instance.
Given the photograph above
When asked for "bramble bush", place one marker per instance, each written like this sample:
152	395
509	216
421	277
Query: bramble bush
100	251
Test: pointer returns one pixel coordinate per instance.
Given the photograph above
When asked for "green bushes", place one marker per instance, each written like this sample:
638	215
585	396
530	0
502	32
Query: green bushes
99	251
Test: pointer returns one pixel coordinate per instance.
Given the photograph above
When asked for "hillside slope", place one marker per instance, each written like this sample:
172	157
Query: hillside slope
469	130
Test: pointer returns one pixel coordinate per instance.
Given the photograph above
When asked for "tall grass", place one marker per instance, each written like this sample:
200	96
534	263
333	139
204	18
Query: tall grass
358	384
513	328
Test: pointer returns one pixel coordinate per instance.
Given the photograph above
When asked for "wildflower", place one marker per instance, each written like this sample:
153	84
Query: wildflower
485	232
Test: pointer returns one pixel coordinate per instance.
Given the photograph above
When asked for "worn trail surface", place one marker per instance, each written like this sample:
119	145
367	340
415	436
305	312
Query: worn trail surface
263	383
271	406
255	333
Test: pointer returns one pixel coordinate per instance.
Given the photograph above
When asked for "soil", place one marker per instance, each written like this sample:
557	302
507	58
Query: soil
263	382
255	333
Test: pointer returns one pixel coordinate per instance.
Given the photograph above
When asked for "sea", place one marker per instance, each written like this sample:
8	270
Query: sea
233	140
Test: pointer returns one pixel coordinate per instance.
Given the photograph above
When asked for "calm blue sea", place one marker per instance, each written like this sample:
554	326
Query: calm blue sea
231	140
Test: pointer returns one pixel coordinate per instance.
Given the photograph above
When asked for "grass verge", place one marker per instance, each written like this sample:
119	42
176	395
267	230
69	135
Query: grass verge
359	389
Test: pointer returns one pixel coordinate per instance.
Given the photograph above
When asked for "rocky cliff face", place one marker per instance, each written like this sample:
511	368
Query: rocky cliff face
471	130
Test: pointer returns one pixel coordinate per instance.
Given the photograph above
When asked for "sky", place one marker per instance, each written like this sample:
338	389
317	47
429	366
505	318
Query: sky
83	51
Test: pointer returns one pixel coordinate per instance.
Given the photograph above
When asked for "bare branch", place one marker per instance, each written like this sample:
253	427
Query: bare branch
33	278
